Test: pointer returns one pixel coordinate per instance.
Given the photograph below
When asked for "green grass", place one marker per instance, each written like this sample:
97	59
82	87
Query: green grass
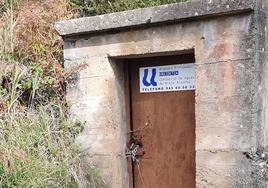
37	149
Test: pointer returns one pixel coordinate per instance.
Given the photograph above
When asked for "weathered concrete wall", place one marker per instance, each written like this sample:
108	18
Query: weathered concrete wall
231	93
261	58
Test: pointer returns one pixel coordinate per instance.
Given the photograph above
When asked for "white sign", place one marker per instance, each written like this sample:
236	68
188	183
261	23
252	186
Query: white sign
179	77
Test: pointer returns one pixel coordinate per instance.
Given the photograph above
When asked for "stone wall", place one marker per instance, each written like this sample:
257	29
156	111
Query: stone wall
230	53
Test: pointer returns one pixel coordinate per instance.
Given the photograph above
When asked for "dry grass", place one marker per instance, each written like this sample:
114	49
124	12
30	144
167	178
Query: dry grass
36	138
27	37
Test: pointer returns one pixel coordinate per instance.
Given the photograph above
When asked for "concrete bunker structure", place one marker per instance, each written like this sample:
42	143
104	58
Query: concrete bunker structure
228	40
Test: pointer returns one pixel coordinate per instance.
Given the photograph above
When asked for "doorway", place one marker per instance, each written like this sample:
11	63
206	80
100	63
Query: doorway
163	124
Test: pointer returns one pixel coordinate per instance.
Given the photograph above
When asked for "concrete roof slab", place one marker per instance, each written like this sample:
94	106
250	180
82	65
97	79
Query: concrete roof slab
154	15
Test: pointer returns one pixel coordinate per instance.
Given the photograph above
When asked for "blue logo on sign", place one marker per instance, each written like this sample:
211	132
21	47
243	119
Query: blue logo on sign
152	80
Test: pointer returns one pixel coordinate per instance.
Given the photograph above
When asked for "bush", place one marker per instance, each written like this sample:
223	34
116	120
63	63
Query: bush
97	7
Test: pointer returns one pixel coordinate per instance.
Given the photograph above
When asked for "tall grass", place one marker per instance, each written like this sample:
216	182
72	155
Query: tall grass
14	93
37	150
37	139
7	38
37	146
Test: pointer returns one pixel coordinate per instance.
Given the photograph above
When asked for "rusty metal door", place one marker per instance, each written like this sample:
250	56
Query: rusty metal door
164	123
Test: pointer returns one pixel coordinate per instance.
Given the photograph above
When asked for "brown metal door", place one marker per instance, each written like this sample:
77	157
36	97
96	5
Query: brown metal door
165	124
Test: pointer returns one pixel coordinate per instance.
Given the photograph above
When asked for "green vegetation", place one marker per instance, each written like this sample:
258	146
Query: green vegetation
37	140
97	7
37	150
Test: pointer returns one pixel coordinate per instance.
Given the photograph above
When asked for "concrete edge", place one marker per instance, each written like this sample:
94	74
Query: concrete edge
154	15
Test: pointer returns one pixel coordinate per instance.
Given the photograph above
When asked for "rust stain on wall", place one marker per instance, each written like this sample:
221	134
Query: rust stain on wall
221	49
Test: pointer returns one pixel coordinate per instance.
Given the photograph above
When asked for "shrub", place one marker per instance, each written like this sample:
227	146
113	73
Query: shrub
97	7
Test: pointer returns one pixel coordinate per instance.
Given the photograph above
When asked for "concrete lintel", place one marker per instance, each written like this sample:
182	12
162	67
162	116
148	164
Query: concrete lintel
154	15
